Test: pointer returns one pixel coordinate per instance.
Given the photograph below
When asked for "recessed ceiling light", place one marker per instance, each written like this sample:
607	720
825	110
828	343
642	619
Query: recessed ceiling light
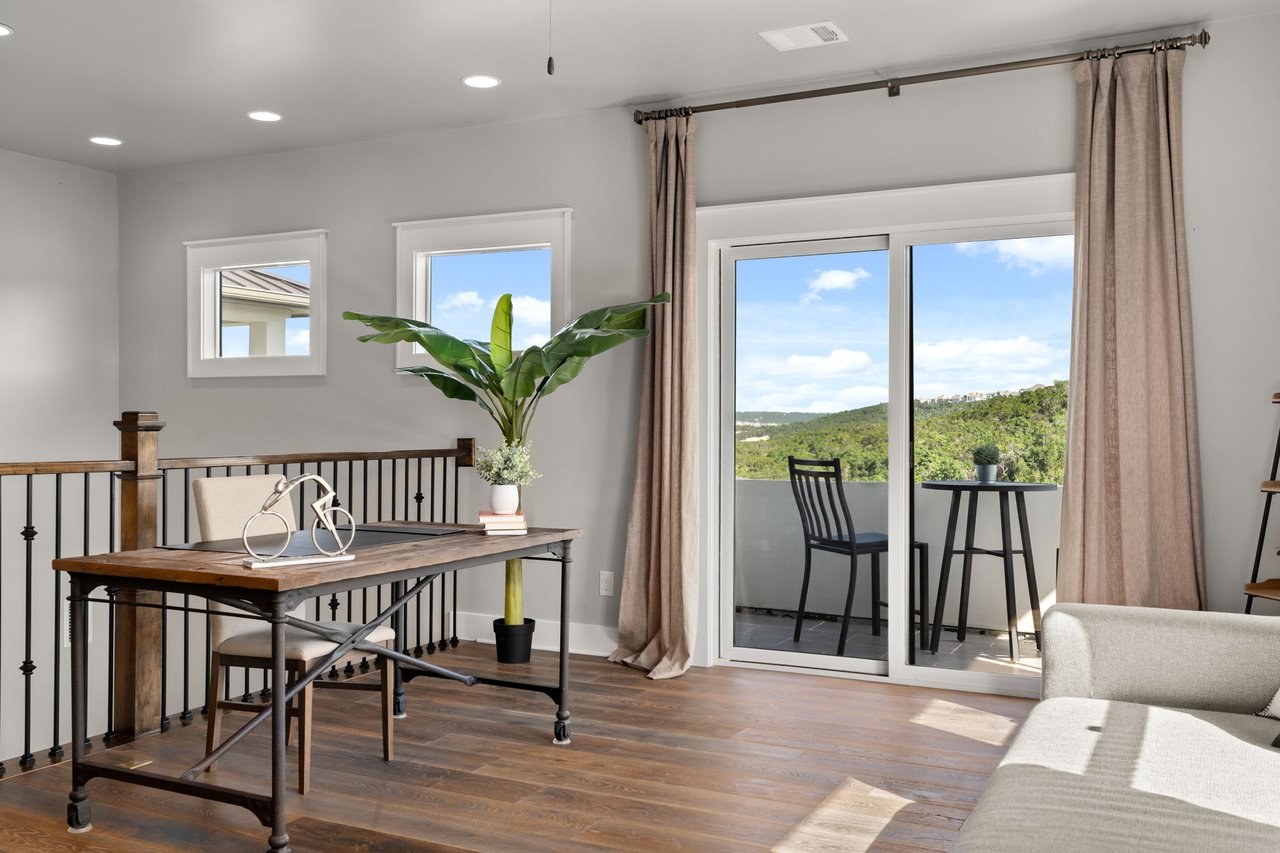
5	30
264	115
104	140
481	81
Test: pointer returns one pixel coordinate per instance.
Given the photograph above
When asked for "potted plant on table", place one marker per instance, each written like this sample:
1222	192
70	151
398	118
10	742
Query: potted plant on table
506	469
510	386
986	459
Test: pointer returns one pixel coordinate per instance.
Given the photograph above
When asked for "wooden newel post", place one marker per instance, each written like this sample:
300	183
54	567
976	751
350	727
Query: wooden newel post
138	653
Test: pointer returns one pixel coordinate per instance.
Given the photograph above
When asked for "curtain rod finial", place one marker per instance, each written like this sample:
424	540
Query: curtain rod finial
1202	38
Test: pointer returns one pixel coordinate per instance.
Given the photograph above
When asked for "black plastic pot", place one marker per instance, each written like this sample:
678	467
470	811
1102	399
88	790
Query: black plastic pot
515	642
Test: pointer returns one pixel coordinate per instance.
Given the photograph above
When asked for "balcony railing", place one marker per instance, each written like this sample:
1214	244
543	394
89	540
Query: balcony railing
85	507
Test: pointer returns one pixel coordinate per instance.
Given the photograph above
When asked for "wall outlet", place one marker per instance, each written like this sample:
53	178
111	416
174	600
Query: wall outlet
606	583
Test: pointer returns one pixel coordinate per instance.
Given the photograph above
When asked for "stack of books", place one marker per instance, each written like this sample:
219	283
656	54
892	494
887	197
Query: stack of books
504	524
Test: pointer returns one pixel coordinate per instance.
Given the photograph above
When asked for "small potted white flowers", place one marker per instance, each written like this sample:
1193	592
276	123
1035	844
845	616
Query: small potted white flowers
506	468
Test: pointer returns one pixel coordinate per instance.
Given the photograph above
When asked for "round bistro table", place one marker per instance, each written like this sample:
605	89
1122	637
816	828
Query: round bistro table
1005	552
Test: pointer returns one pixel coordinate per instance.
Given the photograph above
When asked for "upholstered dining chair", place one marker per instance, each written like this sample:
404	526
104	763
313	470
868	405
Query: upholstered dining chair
223	505
828	526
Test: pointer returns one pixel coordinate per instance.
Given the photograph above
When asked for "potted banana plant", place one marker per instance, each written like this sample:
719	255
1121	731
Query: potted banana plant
509	386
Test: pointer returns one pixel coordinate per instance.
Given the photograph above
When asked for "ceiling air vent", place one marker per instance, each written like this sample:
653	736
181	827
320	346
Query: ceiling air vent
809	35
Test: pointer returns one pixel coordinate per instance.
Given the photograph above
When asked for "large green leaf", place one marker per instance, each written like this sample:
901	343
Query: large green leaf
584	343
452	353
568	369
521	380
449	384
500	335
629	315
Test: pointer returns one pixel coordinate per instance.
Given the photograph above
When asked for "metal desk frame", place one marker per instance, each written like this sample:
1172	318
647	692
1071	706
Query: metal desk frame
273	607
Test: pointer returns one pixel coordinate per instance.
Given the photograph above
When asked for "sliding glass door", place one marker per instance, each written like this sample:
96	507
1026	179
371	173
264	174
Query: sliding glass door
805	392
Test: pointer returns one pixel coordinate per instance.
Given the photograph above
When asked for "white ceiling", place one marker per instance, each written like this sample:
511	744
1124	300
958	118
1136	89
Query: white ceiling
174	78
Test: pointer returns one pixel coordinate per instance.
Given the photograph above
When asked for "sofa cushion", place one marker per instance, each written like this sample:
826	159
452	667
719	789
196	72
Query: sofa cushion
1096	775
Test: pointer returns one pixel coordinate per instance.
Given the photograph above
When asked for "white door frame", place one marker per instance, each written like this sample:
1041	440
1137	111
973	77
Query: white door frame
926	212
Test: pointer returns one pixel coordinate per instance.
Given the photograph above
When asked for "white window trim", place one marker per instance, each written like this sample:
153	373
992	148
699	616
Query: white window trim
206	257
493	231
910	216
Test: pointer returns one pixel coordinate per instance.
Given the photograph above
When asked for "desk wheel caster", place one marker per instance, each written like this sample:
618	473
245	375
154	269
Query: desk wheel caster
562	733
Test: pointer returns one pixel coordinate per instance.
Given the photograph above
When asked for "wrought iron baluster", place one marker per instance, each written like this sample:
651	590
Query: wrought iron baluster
186	716
55	751
110	735
393	491
164	611
28	668
417	497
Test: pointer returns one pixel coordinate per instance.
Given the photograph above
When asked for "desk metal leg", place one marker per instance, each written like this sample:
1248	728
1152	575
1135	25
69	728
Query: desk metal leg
1028	561
398	705
962	622
1006	543
279	840
948	550
562	730
79	813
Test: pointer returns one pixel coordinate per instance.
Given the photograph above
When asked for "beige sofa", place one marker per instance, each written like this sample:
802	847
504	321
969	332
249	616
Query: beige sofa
1146	740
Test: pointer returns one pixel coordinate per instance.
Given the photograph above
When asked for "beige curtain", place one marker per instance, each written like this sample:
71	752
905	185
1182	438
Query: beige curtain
1132	521
659	599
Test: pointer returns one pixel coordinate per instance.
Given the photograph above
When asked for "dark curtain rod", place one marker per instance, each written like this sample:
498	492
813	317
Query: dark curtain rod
894	85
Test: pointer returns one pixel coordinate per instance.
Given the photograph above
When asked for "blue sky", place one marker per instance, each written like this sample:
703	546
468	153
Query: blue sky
466	286
813	330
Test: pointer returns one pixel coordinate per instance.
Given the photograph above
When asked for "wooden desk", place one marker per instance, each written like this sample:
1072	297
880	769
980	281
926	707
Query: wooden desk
270	594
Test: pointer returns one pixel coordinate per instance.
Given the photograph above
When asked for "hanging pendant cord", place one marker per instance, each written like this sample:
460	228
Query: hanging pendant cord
894	85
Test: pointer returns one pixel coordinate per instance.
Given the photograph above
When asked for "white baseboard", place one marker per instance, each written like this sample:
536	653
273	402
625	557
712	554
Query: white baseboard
584	639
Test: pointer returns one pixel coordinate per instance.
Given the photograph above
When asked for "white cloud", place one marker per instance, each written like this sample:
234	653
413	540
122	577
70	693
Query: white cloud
832	280
1034	254
836	362
531	310
976	354
462	300
531	340
300	338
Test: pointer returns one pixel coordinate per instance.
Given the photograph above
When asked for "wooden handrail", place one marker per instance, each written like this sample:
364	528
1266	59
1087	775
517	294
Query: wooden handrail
295	458
95	466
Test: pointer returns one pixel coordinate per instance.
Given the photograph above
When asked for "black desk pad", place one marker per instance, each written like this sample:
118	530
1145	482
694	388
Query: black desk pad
300	544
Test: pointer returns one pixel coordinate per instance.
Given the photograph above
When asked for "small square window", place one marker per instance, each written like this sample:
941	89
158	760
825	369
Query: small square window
256	305
452	271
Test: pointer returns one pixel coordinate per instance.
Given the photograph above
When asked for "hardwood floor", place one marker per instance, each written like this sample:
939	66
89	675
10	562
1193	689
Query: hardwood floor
720	759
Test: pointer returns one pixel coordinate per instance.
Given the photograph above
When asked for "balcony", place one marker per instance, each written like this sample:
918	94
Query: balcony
769	565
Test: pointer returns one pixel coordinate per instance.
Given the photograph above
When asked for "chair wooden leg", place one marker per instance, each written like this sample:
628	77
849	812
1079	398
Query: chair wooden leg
804	591
213	727
304	738
388	710
848	603
875	593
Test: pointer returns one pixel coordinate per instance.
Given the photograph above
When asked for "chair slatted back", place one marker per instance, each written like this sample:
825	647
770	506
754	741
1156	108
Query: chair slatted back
819	494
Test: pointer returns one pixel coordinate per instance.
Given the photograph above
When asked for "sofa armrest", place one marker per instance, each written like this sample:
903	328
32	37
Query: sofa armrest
1175	658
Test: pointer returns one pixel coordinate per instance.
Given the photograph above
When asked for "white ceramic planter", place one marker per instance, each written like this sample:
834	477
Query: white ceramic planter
504	499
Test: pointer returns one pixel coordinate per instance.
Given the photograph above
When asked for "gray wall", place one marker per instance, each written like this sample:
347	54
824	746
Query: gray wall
994	127
58	305
584	436
59	388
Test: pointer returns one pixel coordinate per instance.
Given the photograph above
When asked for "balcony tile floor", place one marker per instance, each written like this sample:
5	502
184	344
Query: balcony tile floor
980	651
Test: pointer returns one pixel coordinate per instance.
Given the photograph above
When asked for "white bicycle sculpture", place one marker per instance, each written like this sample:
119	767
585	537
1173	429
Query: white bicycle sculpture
328	516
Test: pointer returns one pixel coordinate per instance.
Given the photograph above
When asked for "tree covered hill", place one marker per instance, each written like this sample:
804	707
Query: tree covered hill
1030	428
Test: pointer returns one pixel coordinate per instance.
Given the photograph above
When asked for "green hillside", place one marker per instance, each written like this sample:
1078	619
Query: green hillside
1030	428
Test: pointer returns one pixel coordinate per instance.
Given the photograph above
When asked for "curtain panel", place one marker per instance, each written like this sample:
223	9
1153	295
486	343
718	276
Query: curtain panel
658	605
1132	519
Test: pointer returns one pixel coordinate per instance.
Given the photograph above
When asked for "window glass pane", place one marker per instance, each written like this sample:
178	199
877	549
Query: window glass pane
465	286
811	372
991	353
264	310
